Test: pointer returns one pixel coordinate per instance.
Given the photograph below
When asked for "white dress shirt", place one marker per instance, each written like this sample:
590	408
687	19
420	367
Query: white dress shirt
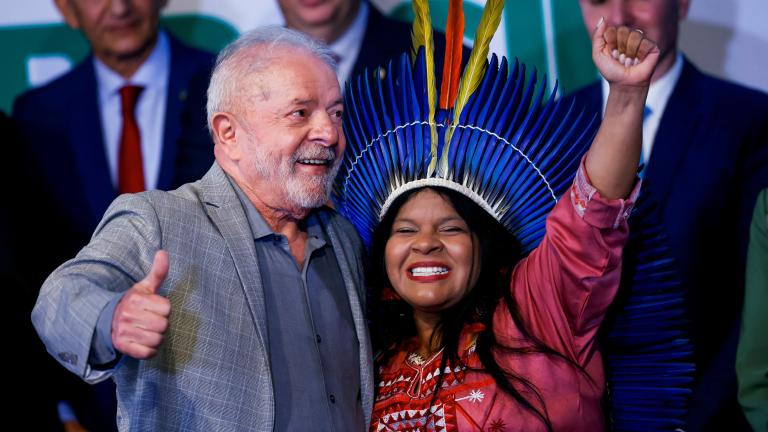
347	47
153	75
658	96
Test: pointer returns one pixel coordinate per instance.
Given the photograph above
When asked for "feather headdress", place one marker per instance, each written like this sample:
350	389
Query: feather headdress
491	134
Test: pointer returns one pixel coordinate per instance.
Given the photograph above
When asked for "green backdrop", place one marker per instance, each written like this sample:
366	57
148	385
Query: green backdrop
19	43
524	24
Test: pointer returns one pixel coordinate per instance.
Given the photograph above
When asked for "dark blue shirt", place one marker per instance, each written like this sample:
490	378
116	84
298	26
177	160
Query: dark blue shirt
313	348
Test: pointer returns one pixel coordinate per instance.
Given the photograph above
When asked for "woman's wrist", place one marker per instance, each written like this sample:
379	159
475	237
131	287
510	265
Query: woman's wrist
625	99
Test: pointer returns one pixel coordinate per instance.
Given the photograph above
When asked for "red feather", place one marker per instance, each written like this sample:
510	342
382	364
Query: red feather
454	43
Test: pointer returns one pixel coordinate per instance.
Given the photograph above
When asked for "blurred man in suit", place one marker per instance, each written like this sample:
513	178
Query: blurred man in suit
118	122
360	36
705	147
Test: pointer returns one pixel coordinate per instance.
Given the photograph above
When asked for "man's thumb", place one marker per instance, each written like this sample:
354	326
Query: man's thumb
157	273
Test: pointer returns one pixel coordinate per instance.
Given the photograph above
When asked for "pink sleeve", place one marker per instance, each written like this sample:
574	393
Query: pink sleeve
564	287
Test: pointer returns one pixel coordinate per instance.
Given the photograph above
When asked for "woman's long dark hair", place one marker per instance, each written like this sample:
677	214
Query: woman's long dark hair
392	320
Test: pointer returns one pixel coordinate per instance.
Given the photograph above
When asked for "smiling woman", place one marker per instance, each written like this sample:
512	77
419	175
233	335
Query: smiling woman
431	254
483	318
459	331
433	248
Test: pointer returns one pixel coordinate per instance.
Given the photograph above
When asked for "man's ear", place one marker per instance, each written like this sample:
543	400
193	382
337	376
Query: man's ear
682	9
69	13
223	128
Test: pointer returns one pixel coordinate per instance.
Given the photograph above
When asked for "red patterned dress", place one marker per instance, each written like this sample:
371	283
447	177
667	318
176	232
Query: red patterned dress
563	289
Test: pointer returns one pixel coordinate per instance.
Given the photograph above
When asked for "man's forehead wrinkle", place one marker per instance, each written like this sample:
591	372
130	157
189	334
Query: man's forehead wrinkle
248	77
302	101
250	92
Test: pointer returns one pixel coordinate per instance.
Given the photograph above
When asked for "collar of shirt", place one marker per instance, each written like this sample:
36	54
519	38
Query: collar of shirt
347	47
153	75
261	230
658	95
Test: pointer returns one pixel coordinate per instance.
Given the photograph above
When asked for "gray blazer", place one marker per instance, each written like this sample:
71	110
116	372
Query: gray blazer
212	371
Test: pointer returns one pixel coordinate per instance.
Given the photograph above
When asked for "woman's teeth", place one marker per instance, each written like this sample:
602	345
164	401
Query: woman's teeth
428	271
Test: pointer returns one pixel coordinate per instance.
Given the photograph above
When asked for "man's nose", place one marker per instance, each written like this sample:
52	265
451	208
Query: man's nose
324	130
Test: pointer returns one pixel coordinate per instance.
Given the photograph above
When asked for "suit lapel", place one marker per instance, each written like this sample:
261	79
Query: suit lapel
680	125
87	141
226	212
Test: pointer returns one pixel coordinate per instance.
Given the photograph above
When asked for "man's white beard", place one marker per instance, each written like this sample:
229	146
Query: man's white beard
302	191
311	191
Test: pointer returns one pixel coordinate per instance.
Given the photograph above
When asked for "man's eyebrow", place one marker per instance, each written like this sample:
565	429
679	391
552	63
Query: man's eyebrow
339	101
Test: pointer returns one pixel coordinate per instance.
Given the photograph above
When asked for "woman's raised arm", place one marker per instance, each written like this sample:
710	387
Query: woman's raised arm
626	59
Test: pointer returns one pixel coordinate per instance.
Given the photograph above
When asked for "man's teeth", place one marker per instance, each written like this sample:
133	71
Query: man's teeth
314	161
429	271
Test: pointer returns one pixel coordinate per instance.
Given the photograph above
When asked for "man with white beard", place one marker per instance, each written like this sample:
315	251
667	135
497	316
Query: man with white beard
235	302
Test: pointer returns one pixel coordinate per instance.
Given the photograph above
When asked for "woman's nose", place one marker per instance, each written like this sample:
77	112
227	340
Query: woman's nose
426	242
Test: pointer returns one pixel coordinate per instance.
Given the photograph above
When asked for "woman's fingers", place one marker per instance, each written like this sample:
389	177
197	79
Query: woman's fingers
622	33
634	39
627	46
646	46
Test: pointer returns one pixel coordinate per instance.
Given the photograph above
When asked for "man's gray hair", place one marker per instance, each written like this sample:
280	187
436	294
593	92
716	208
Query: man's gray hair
230	69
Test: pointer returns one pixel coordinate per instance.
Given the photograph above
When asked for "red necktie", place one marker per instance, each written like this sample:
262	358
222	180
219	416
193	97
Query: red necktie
130	168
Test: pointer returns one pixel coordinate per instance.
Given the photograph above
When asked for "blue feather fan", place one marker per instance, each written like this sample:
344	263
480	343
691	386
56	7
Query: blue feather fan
508	150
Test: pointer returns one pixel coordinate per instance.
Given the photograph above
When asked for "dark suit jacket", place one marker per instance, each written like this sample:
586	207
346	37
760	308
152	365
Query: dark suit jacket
386	38
64	150
709	161
67	185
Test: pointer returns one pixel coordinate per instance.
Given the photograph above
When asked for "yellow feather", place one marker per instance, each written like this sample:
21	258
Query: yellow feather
421	36
475	69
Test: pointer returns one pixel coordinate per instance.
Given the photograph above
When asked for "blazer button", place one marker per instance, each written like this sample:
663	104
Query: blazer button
333	399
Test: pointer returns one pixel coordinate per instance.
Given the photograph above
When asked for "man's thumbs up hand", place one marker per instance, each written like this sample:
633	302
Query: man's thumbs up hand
141	317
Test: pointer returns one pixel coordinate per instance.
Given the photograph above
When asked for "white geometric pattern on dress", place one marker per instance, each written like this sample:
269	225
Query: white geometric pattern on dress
431	419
